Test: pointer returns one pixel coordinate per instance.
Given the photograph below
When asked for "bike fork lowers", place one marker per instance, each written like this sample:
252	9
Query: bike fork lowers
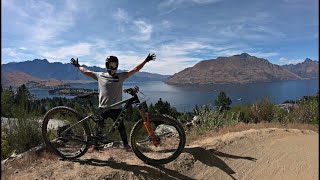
146	122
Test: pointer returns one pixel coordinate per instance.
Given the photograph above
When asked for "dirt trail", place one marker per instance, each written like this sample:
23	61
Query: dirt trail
253	154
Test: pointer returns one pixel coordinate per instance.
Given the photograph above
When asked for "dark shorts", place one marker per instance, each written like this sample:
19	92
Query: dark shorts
113	114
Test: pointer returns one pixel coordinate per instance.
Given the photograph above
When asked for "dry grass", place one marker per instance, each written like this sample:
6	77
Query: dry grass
27	160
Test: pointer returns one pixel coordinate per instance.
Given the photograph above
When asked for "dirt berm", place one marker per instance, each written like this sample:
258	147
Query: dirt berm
252	154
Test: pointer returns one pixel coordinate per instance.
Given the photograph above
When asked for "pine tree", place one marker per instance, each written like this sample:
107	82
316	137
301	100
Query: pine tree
165	108
7	102
21	105
223	102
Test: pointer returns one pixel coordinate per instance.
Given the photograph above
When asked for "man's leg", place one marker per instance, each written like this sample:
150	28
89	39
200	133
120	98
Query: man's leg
99	127
98	132
114	113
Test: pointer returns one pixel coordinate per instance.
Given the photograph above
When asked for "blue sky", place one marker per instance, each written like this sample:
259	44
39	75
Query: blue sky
180	32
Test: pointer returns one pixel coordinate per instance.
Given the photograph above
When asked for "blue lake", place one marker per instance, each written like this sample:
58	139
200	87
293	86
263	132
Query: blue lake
185	98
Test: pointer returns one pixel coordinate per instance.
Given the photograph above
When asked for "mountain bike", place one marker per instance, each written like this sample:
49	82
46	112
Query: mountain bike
155	139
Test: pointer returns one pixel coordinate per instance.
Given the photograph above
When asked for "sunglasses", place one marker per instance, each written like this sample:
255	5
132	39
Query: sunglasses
112	65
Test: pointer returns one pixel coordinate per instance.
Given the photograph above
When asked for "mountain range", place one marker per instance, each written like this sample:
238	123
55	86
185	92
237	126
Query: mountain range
305	69
243	68
43	73
237	69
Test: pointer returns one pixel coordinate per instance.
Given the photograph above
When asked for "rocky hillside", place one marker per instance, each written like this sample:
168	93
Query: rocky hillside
307	69
242	68
15	79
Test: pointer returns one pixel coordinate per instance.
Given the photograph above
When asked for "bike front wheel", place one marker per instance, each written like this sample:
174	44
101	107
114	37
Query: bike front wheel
67	144
169	133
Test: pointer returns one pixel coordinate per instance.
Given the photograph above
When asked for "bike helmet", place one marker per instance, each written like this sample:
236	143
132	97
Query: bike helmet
112	63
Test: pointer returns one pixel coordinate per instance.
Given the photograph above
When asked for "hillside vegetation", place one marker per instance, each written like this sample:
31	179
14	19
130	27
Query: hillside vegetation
21	129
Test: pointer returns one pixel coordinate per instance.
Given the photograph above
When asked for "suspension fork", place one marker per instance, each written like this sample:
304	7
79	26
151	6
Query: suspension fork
146	122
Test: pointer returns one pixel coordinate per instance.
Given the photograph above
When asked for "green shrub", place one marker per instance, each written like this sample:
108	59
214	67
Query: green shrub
280	115
233	118
211	119
243	113
21	135
306	111
185	117
6	149
262	111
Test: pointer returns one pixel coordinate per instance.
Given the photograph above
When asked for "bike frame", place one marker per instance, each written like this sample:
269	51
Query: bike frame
133	100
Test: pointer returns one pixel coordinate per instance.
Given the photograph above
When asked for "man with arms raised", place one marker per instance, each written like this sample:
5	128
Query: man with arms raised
110	89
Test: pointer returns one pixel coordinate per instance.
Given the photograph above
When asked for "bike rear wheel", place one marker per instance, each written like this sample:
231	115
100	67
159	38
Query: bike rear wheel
71	144
170	134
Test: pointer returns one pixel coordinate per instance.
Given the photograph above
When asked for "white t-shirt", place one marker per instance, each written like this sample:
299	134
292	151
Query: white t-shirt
110	88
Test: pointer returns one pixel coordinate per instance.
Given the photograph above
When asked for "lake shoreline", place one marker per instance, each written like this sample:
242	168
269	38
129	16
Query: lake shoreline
185	98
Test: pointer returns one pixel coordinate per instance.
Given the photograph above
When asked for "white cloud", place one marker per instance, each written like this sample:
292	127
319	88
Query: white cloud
248	32
12	6
9	52
168	6
252	27
174	57
293	1
170	3
166	24
23	48
14	54
165	63
284	60
77	50
41	21
268	31
258	17
53	22
171	58
171	64
205	1
258	54
121	15
263	54
45	29
182	48
143	29
139	30
167	11
229	52
99	43
167	3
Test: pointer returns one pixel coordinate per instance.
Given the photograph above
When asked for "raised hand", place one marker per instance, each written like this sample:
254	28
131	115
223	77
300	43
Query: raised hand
150	57
75	62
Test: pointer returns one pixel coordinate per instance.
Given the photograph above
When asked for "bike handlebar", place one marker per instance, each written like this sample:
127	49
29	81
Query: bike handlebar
132	91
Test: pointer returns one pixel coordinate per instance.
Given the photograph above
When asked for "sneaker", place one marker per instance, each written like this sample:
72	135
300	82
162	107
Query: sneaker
92	148
127	147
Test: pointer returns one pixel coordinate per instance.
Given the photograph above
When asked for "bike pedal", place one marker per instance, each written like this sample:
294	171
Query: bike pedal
109	145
